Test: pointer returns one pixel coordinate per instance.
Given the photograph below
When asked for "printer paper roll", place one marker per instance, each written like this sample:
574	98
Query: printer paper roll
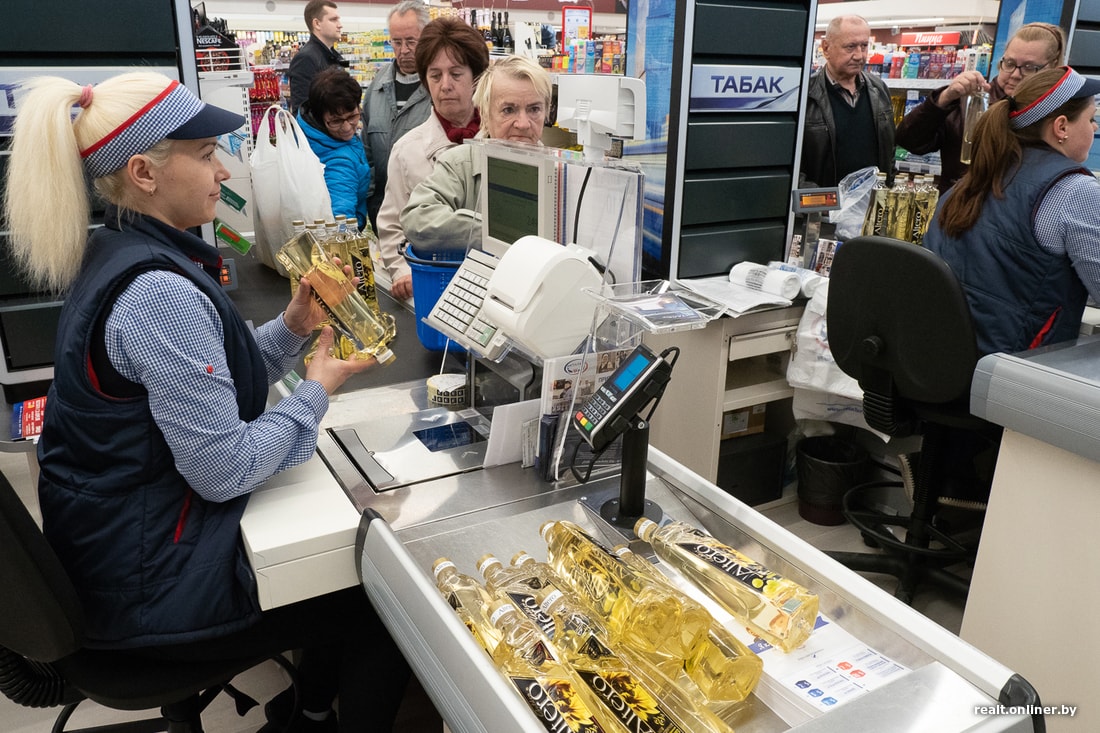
809	279
751	275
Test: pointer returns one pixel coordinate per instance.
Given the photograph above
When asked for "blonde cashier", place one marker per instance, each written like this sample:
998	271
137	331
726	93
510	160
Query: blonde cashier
157	428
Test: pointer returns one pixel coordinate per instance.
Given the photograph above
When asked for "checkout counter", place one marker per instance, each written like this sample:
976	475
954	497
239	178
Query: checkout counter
305	536
397	483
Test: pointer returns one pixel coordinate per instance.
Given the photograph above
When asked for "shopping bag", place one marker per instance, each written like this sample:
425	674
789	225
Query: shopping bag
288	183
855	196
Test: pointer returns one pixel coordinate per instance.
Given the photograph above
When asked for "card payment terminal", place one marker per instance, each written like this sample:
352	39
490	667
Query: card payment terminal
638	380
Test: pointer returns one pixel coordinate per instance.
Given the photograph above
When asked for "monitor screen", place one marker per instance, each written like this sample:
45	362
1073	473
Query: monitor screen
513	199
519	194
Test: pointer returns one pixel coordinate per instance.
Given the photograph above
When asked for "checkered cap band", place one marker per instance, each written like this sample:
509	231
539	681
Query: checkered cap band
1070	83
145	128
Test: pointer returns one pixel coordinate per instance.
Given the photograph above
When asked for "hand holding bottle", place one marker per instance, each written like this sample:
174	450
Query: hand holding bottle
304	314
963	85
328	368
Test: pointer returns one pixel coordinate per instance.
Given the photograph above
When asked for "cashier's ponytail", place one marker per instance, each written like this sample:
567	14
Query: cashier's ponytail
46	197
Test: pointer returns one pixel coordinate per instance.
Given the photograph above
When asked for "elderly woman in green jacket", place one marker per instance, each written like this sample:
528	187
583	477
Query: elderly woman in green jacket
513	98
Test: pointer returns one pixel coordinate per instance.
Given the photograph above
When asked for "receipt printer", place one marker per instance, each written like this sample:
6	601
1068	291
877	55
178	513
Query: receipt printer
534	296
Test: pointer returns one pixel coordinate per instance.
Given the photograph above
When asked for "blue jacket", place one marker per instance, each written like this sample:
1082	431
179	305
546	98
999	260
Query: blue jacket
152	562
1020	295
347	173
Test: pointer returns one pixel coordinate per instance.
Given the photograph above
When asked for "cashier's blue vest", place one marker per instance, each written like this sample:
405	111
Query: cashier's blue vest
153	563
1020	295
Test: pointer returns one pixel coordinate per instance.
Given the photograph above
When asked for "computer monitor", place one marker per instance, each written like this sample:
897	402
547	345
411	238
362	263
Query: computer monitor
520	194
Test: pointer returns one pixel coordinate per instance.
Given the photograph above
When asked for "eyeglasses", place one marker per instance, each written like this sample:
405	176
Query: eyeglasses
335	123
409	43
1009	66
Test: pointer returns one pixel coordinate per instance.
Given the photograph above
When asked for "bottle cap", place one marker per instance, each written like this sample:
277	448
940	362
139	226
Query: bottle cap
486	562
384	357
440	565
644	527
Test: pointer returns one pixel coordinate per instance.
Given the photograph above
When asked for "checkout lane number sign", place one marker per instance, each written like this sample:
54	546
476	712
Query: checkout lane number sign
716	88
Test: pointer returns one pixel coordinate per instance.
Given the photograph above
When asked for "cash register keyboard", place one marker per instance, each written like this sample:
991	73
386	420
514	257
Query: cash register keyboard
457	313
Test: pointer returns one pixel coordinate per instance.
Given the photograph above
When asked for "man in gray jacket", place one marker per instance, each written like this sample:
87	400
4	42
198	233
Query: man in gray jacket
395	102
849	118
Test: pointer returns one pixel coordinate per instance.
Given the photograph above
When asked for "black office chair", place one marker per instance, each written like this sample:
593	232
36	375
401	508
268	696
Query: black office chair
43	662
898	323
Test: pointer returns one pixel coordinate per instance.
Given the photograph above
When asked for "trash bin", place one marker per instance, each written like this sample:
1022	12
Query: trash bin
827	466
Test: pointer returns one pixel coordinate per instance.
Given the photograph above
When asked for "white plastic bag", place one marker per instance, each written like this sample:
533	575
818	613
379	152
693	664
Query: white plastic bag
812	365
822	391
288	183
855	196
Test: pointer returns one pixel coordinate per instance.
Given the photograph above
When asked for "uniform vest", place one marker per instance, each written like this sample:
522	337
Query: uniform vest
152	562
1020	295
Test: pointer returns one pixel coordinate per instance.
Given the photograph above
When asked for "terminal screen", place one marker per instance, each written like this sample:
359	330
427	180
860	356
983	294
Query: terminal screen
630	371
513	199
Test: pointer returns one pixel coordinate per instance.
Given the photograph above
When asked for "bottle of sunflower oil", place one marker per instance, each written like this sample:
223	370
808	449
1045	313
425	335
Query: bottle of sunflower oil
642	615
722	667
774	608
469	599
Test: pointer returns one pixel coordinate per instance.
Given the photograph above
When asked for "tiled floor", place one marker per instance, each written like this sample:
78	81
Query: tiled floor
418	715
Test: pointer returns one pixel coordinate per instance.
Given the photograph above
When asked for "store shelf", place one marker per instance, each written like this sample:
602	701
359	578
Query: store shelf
755	394
916	83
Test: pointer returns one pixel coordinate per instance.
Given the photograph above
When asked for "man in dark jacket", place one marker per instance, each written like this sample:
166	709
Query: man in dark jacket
844	97
395	101
323	22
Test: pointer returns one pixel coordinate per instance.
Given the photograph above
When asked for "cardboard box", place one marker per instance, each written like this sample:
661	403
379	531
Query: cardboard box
746	421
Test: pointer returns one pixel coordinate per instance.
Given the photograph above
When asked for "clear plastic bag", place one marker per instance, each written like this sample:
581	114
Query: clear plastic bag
855	195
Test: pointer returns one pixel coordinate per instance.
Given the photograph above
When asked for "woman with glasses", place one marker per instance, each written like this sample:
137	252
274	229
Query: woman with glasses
450	56
513	98
1019	228
937	122
330	120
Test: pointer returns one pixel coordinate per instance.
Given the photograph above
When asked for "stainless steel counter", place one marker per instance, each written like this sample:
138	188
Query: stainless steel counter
499	510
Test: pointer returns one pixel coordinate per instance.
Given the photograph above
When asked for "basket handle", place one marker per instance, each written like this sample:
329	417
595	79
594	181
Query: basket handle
451	264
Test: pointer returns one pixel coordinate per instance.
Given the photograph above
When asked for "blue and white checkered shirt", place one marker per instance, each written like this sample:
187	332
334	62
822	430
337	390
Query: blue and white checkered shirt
166	335
1068	222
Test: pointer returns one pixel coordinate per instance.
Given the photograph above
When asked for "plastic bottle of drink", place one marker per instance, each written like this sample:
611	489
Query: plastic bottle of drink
303	256
926	197
643	615
359	245
899	202
722	667
774	608
528	583
553	691
470	600
874	222
974	106
630	687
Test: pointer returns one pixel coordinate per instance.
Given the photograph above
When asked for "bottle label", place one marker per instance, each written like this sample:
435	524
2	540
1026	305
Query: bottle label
750	574
557	705
531	609
442	566
629	702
